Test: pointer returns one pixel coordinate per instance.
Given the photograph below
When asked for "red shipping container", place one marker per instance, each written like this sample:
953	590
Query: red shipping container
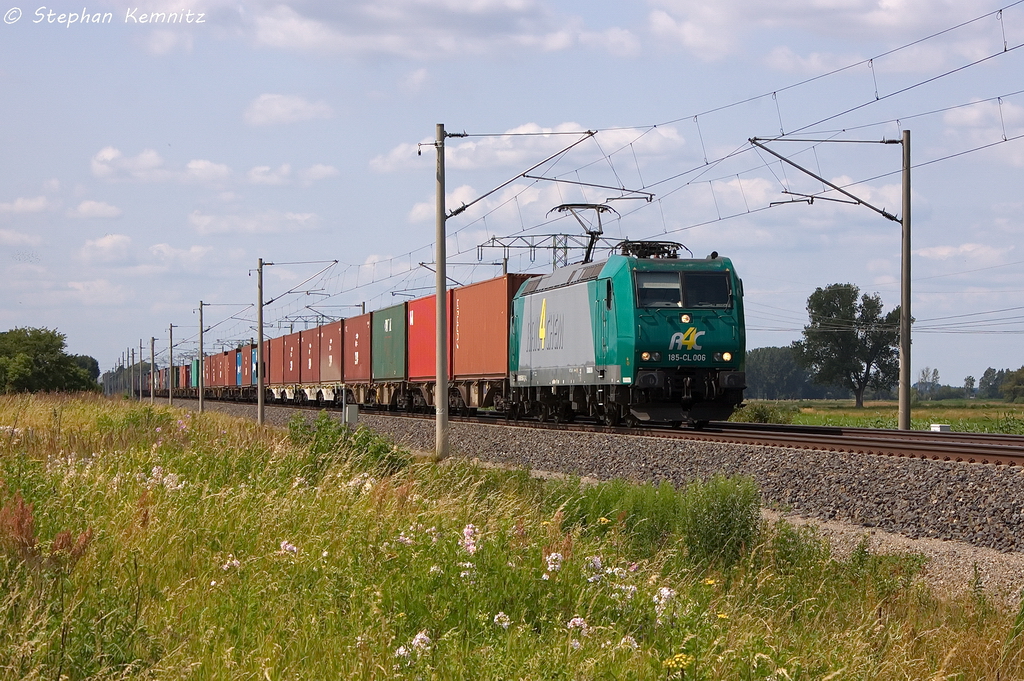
247	364
480	327
421	325
330	351
290	360
231	367
357	348
309	356
275	364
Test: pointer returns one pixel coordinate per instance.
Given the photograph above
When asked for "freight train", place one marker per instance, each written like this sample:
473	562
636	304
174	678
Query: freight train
644	336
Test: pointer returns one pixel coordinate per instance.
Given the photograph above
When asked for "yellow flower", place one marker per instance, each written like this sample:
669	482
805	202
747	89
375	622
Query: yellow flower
722	616
545	522
678	661
709	581
603	520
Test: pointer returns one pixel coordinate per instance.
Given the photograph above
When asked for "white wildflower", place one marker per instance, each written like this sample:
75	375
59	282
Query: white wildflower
421	642
232	562
554	561
469	536
578	623
576	645
288	547
435	569
402	652
629	642
404	539
502	620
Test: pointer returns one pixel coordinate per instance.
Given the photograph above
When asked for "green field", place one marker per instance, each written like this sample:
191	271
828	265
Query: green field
140	543
969	416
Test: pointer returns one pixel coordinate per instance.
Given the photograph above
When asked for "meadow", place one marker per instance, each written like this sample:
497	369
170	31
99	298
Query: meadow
152	543
968	416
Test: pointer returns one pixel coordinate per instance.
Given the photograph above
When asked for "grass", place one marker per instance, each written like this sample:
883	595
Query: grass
140	543
968	416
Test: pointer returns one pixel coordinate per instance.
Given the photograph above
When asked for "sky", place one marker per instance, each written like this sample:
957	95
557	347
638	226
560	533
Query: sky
152	152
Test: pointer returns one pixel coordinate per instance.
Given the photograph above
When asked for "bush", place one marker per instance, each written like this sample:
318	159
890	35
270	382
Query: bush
764	412
721	519
327	439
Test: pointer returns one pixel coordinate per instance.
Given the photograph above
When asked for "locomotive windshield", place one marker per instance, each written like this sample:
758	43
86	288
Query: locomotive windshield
683	289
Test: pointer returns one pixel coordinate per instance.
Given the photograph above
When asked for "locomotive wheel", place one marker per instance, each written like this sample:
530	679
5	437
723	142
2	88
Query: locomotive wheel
543	413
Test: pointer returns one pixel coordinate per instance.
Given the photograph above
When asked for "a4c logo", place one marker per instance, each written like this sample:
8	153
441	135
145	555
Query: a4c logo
686	340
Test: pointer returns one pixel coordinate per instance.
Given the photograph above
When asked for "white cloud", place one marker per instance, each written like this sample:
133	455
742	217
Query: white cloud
258	223
784	59
415	80
98	293
617	41
110	163
525	145
10	237
713	30
969	251
179	257
106	249
429	29
95	209
206	171
22	205
319	172
264	174
148	166
268	109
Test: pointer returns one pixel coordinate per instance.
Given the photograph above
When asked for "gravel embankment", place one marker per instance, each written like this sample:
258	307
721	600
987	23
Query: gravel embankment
962	516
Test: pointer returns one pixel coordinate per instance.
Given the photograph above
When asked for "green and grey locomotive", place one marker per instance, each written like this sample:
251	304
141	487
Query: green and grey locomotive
644	336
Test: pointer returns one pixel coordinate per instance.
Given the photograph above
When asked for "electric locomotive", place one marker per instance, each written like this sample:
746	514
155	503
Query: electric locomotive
643	336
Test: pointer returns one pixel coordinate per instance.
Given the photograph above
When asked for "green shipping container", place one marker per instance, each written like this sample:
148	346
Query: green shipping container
194	374
388	341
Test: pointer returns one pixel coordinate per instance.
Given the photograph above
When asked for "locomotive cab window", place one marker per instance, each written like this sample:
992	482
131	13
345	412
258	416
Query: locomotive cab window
686	289
707	289
658	289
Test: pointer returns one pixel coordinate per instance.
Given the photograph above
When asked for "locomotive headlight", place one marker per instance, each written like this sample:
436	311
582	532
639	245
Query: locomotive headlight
727	356
656	356
645	356
717	357
685	319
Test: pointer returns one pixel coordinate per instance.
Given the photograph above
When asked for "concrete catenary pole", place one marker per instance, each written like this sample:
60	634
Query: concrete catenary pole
440	288
200	383
170	365
904	417
131	373
260	378
152	370
141	375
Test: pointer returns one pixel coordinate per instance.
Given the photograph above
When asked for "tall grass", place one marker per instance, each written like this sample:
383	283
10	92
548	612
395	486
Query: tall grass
149	543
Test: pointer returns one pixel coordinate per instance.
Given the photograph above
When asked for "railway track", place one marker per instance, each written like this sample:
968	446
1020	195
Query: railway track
984	448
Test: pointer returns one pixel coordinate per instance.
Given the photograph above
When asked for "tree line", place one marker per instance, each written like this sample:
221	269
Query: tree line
35	360
851	347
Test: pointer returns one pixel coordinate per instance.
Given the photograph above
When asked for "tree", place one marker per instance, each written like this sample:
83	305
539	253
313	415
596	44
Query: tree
969	387
33	360
849	342
1012	386
991	381
91	366
773	374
